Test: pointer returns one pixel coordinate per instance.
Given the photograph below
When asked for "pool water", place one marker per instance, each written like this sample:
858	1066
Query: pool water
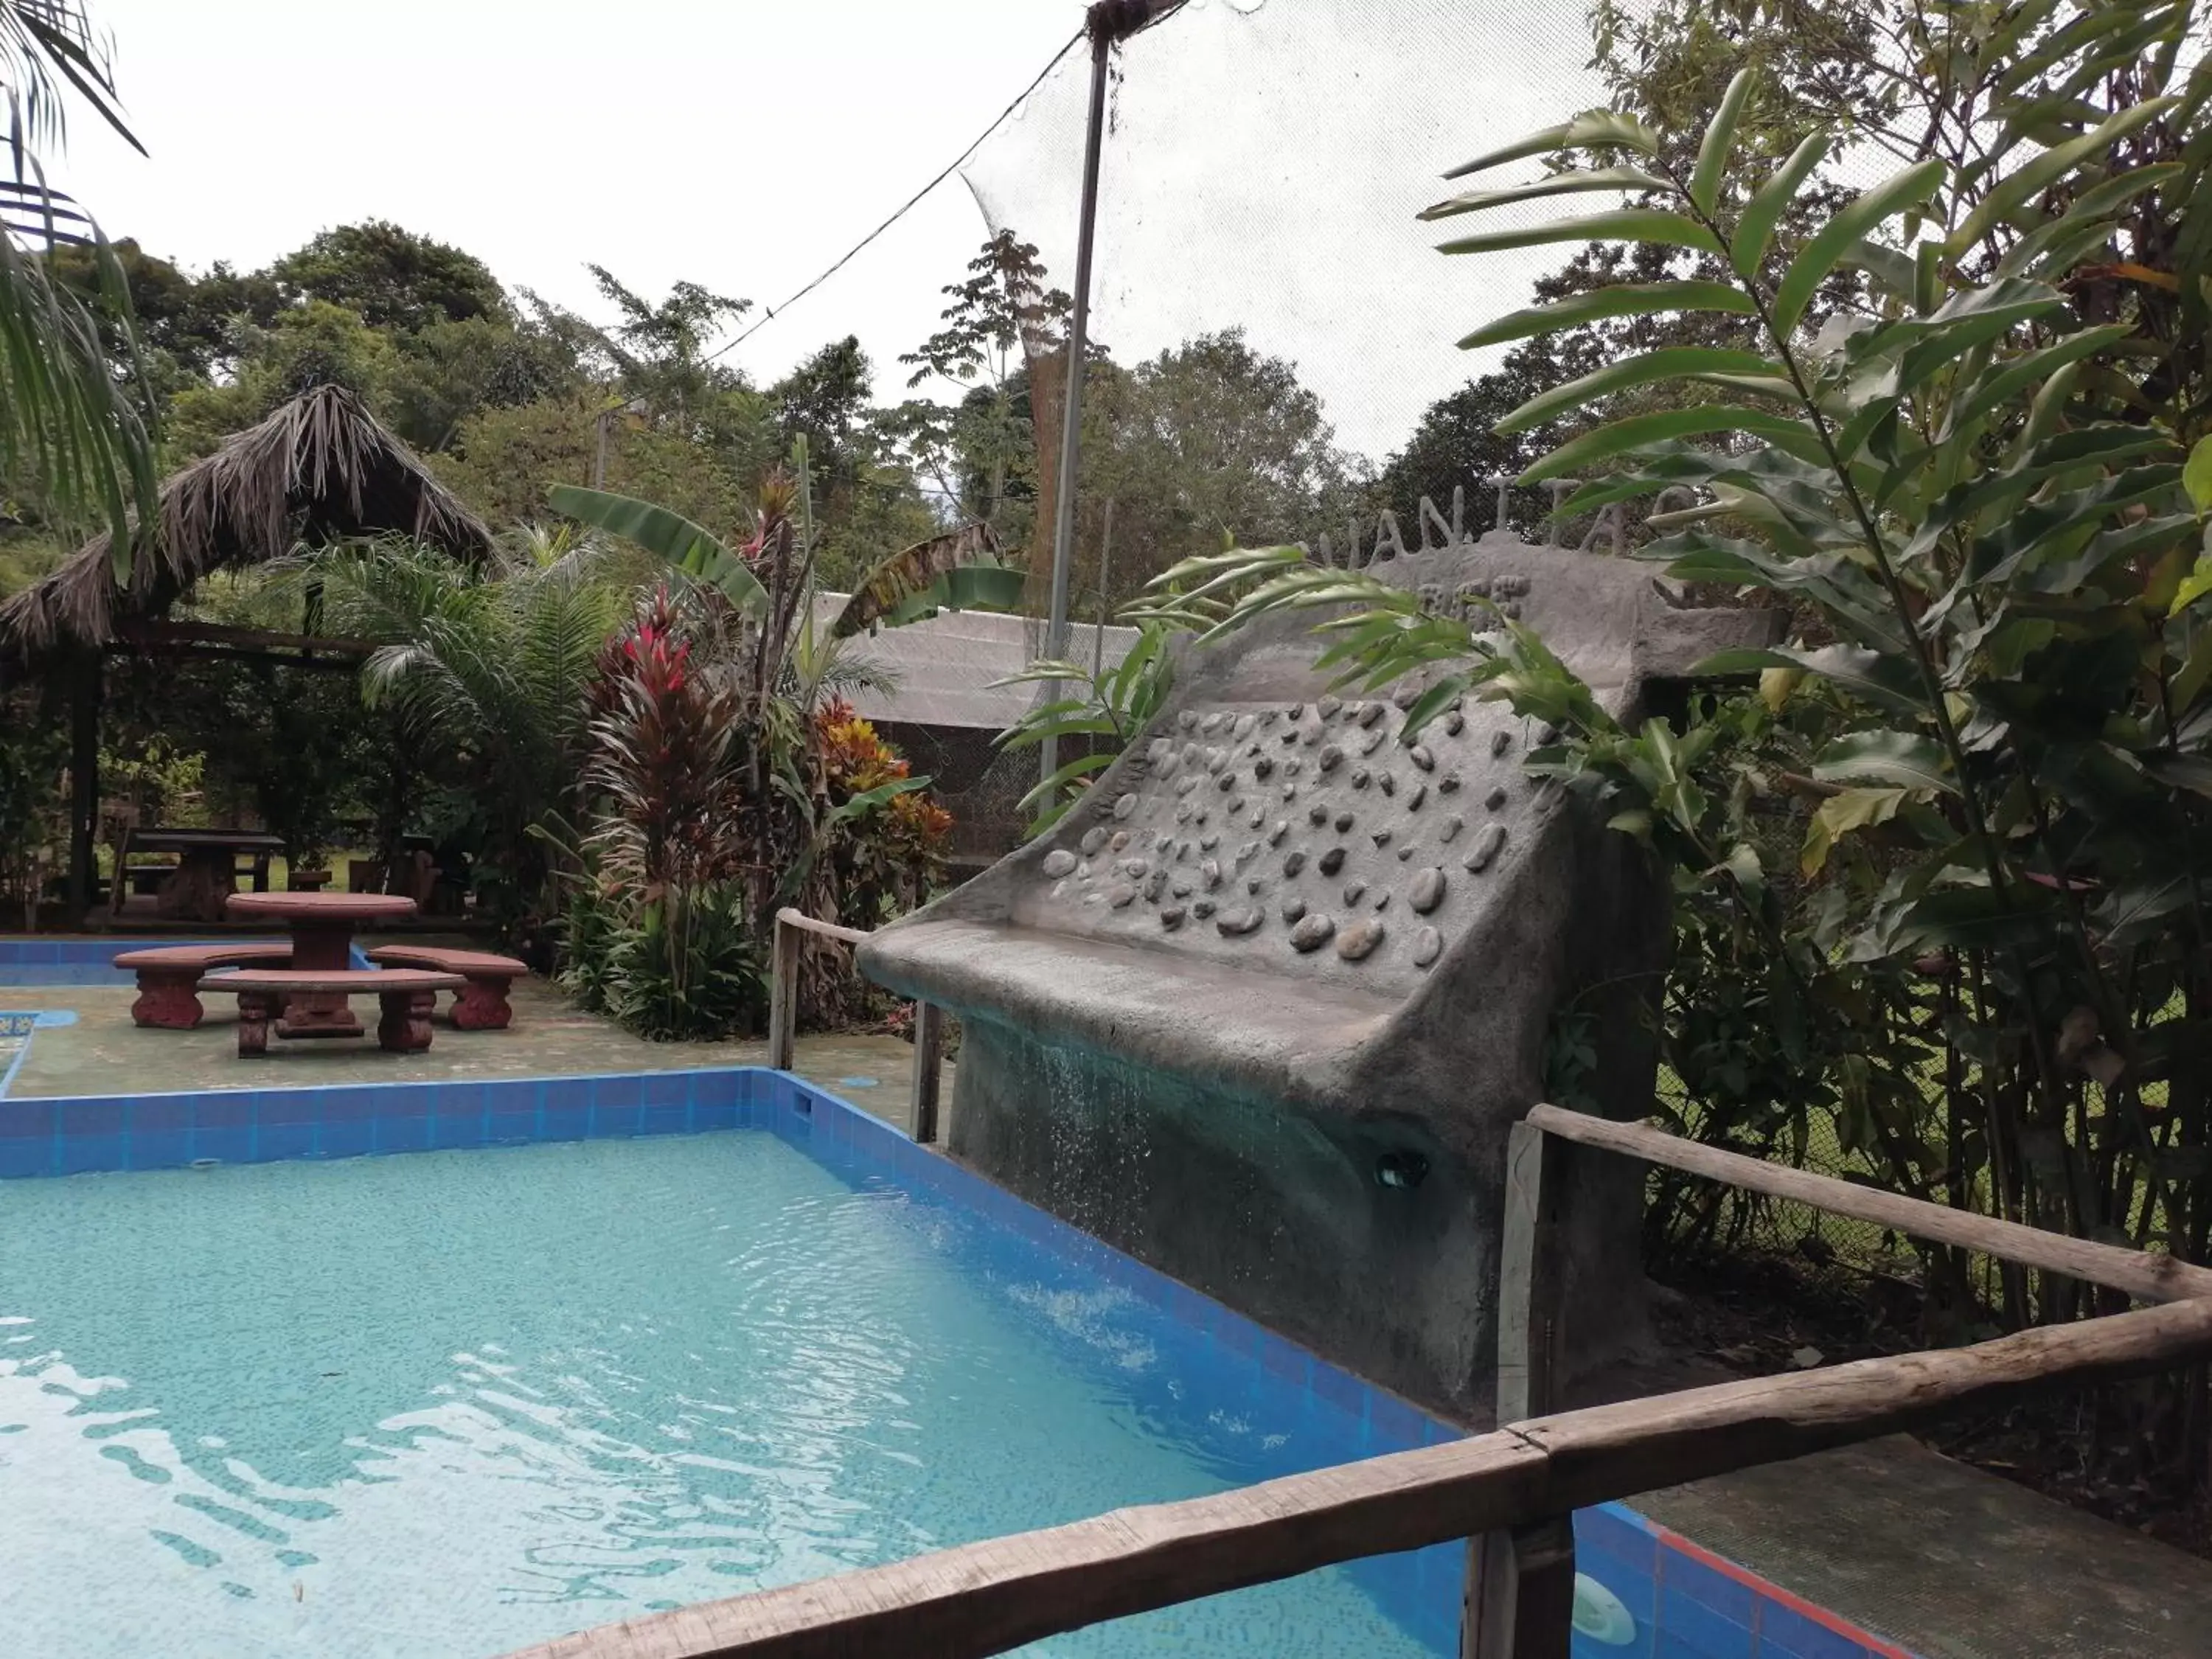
451	1403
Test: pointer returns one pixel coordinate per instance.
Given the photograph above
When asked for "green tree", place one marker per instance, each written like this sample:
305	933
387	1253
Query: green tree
981	450
1211	438
660	351
314	344
392	279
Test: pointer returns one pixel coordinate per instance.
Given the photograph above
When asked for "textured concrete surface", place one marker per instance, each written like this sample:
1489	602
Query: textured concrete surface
105	1053
1281	956
1947	1561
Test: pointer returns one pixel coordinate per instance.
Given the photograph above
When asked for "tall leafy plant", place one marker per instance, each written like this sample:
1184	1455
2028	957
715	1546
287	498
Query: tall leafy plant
1988	483
1106	709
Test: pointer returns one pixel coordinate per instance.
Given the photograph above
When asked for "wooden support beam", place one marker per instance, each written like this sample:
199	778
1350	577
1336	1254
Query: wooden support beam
84	783
1521	1593
987	1597
1520	1582
928	1068
791	927
783	993
2146	1276
1531	1292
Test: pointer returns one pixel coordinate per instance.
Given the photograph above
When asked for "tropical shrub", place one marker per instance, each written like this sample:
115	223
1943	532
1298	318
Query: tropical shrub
1106	709
1985	486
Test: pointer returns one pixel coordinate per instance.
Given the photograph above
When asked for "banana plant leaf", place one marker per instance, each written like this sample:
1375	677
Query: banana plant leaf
695	551
956	571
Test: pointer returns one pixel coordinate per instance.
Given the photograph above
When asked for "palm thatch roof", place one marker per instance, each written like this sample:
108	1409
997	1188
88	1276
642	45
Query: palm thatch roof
320	469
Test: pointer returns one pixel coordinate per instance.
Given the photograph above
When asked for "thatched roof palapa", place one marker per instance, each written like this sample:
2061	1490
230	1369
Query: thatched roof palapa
320	469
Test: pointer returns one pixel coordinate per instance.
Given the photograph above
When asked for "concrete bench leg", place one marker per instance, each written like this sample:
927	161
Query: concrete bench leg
168	998
482	1006
405	1027
255	1010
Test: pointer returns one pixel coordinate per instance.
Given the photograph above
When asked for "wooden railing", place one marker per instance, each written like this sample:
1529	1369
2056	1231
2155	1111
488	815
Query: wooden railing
1511	1492
791	929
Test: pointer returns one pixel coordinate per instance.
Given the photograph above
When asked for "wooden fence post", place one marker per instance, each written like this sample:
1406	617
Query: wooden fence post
783	995
928	1066
1531	1263
1521	1584
1521	1593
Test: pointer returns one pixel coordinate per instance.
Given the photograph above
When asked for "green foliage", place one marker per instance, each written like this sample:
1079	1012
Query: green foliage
72	433
1943	881
487	669
668	536
1106	710
392	279
33	812
957	571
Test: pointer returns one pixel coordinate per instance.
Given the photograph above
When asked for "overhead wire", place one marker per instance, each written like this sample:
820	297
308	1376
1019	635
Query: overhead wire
911	202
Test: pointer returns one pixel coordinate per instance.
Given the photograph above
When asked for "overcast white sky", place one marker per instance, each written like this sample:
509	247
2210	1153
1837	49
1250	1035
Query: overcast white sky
745	143
742	144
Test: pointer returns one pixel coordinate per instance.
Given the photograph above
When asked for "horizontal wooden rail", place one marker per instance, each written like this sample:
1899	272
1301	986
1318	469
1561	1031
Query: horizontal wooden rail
807	924
986	1597
783	1015
2146	1276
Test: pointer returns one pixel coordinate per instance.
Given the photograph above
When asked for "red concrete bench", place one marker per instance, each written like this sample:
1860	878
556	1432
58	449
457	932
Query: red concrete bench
169	975
483	1005
314	1004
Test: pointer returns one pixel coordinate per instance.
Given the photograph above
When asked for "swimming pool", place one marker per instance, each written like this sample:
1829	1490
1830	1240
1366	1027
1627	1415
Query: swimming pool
446	1404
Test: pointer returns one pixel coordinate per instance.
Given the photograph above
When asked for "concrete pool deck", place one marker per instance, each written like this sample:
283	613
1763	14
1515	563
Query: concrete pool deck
1945	1560
103	1053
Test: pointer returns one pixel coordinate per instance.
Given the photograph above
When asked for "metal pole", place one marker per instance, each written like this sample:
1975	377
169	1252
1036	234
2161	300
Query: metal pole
1071	419
1098	634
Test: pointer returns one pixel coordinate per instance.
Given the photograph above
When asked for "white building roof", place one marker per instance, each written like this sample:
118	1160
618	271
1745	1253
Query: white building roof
944	666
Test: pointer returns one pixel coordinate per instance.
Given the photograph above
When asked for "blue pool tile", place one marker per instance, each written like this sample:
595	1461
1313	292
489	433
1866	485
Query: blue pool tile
159	1149
1699	1626
273	1142
91	1117
463	1126
22	1156
567	1107
1395	1426
1684	1579
716	1114
402	1134
1285	1359
221	1108
85	1154
1619	1533
615	1105
1634	1585
421	1099
27	1120
1346	1392
349	1105
224	1144
667	1088
353	1136
287	1106
1786	1633
156	1113
1238	1334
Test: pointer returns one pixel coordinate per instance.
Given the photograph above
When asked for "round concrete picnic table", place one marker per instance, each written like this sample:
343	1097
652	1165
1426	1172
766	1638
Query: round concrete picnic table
322	924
